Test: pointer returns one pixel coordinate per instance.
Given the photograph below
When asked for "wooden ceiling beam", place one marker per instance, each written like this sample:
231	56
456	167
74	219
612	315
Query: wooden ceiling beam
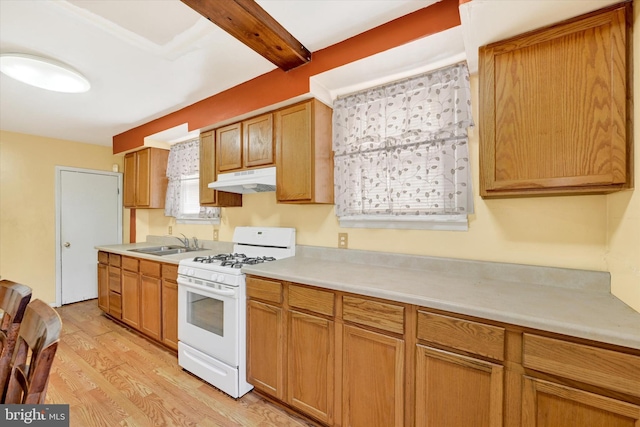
252	25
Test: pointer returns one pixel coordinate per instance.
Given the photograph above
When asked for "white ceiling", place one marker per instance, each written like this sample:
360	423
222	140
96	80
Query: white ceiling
148	58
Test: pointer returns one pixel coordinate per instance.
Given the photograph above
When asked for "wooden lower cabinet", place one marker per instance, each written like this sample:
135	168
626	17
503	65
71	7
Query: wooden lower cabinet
170	305
151	306
103	287
142	293
546	404
310	374
373	379
351	360
170	314
131	298
454	390
266	348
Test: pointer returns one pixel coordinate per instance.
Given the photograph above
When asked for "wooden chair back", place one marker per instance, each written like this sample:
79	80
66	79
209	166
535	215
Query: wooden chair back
14	298
33	356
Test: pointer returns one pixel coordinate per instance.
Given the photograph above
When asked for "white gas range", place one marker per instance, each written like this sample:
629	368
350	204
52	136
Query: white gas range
212	306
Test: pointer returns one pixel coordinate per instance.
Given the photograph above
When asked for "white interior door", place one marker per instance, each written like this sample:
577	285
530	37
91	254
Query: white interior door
89	215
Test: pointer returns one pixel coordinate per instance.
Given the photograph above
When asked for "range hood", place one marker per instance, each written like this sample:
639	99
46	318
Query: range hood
247	181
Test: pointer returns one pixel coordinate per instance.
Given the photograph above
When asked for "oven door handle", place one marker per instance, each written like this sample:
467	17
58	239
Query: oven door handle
221	292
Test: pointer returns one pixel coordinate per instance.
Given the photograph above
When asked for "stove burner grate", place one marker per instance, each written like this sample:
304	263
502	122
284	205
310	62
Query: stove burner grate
233	260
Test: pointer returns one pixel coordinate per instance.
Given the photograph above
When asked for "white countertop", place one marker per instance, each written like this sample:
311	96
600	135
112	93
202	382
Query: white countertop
577	305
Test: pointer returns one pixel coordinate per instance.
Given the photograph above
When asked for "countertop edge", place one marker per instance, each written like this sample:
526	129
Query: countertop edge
619	338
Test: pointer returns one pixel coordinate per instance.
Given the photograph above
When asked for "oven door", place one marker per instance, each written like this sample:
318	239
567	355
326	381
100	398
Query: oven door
208	319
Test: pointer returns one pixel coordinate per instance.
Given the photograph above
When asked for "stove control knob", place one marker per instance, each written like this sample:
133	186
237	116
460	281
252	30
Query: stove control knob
191	272
214	277
221	278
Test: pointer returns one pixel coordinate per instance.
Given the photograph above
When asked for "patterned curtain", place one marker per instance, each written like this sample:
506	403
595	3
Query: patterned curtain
401	148
184	160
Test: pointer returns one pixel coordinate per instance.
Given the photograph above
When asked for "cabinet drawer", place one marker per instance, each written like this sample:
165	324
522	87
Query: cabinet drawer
103	257
385	316
268	290
170	272
114	260
473	337
315	300
129	264
115	305
591	365
149	268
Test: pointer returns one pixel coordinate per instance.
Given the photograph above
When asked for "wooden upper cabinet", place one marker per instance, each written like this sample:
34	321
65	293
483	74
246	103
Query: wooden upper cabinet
207	168
244	145
304	158
145	178
229	148
257	141
129	195
555	109
209	196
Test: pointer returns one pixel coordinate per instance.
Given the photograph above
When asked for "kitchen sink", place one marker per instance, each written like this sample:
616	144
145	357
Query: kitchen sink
165	250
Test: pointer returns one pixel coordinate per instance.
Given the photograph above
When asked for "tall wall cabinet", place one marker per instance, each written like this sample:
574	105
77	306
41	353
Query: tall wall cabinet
304	155
555	108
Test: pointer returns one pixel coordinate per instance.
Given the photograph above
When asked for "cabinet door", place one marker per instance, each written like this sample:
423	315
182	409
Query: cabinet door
103	287
143	169
454	390
131	298
207	168
373	379
129	195
293	150
151	306
170	314
257	135
554	109
546	404
311	365
265	348
229	148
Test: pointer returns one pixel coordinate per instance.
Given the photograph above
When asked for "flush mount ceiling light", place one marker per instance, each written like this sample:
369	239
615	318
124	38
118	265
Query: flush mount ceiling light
44	73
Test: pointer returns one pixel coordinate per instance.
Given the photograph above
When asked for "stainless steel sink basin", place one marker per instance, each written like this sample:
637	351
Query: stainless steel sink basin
165	250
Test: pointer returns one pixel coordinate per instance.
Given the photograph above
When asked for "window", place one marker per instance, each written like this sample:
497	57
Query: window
401	153
183	190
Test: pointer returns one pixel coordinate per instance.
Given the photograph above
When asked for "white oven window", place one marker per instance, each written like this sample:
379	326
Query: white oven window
205	313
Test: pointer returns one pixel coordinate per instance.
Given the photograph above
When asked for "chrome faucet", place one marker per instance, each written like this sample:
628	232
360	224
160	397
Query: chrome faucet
185	241
195	242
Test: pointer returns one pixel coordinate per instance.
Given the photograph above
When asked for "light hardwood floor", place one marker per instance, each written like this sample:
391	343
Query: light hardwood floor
111	376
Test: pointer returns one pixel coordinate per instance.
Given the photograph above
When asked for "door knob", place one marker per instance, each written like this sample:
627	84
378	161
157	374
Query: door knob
67	244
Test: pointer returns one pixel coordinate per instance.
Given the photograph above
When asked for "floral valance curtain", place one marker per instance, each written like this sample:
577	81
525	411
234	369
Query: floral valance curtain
401	148
184	161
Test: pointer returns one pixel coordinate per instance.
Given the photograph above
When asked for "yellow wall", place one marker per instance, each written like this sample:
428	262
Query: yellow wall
594	232
27	204
566	232
623	214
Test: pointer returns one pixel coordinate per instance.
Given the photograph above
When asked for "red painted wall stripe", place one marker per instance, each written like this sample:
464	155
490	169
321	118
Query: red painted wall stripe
278	86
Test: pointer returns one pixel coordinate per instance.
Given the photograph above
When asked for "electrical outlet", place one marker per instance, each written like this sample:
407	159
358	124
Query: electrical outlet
170	230
215	234
343	240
